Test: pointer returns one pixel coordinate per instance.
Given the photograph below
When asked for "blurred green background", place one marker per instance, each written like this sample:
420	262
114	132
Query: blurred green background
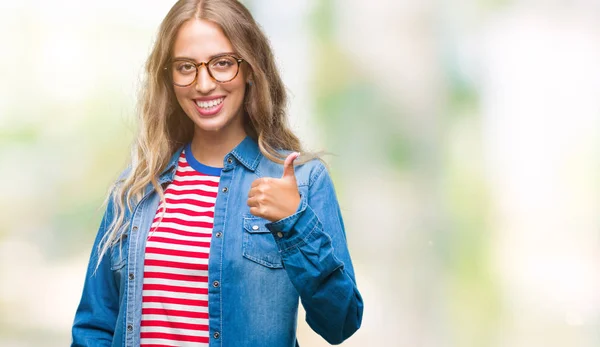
466	157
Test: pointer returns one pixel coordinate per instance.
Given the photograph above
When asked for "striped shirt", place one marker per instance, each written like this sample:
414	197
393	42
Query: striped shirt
175	289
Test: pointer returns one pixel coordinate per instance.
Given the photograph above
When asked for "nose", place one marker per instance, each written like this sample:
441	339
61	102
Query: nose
204	84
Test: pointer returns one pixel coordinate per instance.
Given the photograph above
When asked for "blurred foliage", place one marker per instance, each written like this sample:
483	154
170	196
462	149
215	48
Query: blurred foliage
348	105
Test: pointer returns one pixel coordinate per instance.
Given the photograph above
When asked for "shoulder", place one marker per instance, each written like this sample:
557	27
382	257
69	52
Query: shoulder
121	178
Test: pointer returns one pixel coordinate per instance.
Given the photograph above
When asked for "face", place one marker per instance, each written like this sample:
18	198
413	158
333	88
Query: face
214	107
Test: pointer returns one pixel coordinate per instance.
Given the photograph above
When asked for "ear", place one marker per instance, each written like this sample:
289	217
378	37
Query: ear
249	77
247	71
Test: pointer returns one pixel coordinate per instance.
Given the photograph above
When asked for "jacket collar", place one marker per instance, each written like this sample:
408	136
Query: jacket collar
168	173
246	152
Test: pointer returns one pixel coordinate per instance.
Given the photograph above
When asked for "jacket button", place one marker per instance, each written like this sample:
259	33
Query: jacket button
216	335
216	284
229	160
225	190
255	227
219	234
131	276
135	228
280	234
129	327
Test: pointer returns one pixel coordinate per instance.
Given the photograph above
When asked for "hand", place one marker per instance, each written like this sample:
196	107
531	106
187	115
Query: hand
275	198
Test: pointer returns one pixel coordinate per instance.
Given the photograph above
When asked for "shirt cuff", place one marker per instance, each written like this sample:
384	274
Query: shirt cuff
292	230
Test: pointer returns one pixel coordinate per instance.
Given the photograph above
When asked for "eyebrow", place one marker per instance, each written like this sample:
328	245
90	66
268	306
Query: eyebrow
209	58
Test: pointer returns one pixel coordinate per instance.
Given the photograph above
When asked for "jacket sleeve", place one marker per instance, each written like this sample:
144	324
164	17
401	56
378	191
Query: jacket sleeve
315	255
97	312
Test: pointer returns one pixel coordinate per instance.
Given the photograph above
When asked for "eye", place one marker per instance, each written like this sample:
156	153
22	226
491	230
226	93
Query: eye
223	63
185	67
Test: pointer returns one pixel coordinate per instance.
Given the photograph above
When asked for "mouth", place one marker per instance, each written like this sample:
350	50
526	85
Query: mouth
210	107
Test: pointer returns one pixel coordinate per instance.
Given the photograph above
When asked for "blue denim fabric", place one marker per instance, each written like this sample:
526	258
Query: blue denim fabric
258	270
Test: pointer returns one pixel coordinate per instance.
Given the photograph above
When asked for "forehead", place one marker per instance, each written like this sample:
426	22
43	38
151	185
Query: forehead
200	39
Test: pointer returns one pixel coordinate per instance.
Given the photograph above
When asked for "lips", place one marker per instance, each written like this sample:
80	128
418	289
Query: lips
209	107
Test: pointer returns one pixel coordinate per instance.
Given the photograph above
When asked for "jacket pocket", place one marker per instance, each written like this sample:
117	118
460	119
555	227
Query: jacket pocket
258	243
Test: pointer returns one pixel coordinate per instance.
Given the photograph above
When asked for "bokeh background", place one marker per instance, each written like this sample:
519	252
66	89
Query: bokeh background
466	157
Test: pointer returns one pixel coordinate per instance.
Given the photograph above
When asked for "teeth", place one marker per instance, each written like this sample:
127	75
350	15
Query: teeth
209	104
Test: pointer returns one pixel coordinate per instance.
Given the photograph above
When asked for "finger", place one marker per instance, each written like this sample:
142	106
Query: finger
288	166
259	181
252	202
253	192
255	211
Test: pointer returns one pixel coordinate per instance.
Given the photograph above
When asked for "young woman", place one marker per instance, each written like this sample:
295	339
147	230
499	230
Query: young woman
211	236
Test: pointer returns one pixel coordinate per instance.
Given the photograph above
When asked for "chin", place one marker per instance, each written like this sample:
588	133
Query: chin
213	129
214	124
203	126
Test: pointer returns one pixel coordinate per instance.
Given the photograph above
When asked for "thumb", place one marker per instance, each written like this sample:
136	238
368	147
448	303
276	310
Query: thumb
288	166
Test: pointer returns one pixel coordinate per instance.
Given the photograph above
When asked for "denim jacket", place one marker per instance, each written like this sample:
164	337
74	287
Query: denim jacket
258	270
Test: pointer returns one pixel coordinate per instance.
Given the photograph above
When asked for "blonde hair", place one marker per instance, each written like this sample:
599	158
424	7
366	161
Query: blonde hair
163	125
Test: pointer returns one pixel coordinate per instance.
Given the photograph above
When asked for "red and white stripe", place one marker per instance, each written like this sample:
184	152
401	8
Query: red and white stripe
175	291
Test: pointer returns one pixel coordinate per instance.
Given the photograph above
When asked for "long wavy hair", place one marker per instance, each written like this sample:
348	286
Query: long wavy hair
163	125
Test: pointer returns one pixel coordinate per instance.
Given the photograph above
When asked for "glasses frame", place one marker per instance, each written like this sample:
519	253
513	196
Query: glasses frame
198	65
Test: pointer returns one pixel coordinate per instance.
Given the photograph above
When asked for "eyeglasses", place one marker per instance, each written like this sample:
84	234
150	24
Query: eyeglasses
222	68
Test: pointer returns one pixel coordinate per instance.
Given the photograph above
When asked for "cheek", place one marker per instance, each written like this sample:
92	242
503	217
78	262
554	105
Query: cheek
238	89
238	98
238	85
181	95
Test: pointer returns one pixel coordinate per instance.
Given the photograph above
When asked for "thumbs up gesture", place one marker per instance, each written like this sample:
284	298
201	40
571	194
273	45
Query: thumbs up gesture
275	198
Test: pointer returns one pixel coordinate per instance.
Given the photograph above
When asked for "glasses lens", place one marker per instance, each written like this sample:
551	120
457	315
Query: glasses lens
224	68
183	72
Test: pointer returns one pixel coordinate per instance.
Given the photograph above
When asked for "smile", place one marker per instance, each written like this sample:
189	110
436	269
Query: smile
210	107
207	105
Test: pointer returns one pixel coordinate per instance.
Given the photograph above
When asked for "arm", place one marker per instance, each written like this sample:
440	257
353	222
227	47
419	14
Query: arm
315	255
96	315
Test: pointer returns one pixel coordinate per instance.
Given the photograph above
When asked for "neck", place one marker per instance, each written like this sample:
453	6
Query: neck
210	148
